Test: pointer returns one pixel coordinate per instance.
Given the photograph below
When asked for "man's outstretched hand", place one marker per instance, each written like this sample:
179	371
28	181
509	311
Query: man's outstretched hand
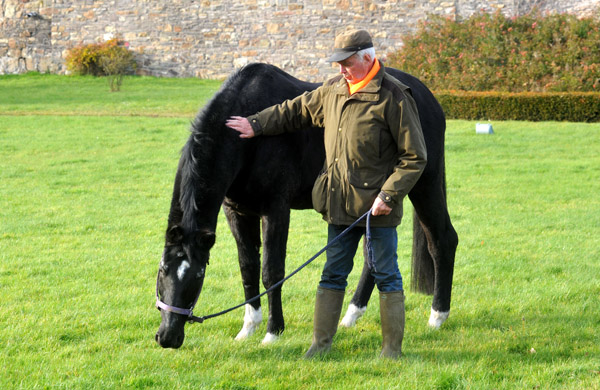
241	125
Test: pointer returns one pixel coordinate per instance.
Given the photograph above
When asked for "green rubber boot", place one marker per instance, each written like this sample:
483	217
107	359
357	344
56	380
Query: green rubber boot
391	308
328	307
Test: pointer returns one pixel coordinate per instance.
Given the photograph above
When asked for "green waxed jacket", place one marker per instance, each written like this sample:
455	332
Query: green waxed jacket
374	145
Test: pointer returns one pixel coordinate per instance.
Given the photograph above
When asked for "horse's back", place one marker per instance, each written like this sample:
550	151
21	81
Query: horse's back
269	85
261	85
431	115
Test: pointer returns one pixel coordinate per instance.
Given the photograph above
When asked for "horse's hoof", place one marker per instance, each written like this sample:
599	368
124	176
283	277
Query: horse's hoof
352	315
437	318
245	333
270	338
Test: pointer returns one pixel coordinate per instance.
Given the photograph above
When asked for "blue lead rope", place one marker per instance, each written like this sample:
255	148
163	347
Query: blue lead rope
370	262
369	245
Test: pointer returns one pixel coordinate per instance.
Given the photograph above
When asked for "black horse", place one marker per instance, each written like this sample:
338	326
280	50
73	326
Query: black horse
258	181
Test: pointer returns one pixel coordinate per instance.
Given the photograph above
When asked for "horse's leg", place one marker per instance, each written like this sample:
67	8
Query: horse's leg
360	299
246	231
275	227
434	245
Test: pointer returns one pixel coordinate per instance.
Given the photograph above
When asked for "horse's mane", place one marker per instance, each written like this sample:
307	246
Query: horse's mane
198	155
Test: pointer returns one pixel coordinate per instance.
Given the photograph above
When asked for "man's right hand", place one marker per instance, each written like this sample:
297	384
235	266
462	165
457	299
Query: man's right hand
380	208
242	125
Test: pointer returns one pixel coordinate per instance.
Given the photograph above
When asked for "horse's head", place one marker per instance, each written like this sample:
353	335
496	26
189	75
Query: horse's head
180	277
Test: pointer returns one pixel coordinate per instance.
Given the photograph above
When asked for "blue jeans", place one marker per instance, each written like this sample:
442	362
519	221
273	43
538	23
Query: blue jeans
340	258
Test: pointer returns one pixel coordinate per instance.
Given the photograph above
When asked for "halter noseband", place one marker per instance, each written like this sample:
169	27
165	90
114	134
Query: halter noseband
160	305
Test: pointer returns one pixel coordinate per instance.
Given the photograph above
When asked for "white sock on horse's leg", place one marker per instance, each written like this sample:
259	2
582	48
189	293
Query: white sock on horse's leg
437	318
352	315
252	320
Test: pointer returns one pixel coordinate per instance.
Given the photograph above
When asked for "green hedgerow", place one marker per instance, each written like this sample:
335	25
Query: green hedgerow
491	52
522	106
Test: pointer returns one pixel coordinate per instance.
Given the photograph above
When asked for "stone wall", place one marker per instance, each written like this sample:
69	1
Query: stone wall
210	38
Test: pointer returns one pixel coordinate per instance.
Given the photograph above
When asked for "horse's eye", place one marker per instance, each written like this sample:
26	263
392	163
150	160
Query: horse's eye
164	268
180	254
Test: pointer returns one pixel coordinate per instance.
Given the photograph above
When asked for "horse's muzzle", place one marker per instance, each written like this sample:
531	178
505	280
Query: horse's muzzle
171	331
169	339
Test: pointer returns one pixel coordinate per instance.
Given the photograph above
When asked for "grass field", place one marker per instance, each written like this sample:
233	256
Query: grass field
35	94
84	197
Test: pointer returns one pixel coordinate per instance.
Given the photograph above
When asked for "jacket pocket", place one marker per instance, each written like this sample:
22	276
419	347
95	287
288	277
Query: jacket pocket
320	193
364	186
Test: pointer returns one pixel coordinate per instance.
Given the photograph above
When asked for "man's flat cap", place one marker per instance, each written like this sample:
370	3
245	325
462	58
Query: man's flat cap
349	43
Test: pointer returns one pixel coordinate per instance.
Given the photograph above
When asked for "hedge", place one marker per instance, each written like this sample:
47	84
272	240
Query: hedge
525	106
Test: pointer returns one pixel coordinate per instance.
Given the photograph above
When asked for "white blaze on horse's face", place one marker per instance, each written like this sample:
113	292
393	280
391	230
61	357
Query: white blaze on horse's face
185	265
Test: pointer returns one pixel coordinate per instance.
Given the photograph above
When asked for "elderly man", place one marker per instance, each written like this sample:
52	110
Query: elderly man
375	153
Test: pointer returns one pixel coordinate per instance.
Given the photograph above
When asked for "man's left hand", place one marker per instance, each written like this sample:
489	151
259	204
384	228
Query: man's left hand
380	208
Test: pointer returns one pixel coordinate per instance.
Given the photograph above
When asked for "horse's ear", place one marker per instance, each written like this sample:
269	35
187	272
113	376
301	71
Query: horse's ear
174	235
205	239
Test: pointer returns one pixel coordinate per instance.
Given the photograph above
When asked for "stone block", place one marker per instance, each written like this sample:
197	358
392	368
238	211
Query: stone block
10	8
272	28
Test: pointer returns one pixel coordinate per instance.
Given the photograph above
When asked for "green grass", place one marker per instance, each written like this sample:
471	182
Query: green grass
83	208
43	94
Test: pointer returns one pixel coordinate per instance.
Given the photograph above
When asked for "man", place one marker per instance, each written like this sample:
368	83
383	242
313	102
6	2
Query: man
375	153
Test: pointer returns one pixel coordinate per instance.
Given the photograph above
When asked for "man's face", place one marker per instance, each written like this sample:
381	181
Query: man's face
355	68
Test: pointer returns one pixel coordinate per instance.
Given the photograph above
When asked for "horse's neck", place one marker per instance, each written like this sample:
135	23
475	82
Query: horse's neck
207	170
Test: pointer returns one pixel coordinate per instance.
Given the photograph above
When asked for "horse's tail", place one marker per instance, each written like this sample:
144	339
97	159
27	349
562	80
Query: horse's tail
423	272
423	269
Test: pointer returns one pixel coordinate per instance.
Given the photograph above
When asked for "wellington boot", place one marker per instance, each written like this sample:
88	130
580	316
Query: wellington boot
391	308
328	307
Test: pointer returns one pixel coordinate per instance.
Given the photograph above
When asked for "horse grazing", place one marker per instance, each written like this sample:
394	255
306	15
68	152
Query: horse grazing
258	181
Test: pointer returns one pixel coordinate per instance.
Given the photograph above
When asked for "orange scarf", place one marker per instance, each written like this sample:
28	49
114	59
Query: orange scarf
361	84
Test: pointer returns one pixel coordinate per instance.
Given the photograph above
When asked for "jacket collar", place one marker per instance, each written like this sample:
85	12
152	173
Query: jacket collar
368	92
